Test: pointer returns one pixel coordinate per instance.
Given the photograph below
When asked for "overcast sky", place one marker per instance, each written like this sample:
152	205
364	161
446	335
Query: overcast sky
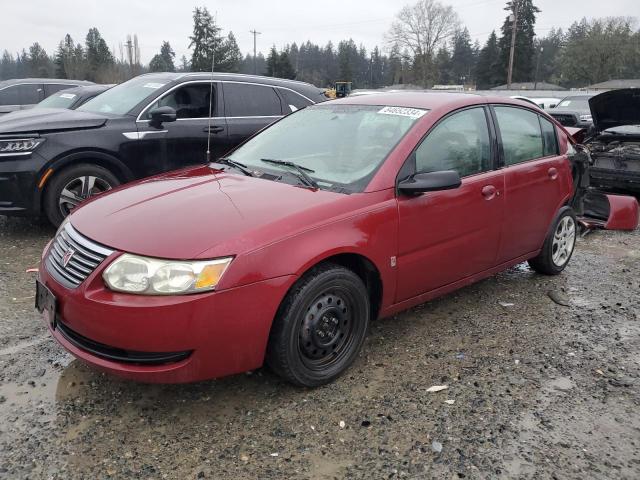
280	21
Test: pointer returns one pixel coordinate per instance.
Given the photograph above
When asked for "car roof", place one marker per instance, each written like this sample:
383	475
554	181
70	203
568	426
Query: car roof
57	81
428	100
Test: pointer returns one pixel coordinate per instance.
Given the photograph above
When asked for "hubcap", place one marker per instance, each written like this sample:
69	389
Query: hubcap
78	190
326	329
564	240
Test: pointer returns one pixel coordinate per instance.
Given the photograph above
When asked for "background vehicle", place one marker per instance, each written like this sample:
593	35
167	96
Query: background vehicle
72	98
544	103
54	159
304	241
573	111
614	142
26	92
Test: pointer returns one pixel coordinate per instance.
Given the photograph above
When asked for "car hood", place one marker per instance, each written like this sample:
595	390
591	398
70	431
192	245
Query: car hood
205	213
38	120
615	108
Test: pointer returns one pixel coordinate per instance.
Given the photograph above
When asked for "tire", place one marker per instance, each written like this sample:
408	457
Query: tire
68	188
320	326
558	246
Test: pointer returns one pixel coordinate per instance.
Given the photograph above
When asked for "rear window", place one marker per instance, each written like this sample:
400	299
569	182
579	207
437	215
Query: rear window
549	137
58	100
247	100
521	134
293	101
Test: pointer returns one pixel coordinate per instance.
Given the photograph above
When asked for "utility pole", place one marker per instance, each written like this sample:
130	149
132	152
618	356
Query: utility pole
255	60
130	53
535	85
514	27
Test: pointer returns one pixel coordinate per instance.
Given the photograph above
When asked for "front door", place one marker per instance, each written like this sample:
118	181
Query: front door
535	179
449	235
182	143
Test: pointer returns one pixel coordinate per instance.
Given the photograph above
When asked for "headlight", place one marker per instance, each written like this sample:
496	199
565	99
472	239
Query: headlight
20	145
586	118
151	276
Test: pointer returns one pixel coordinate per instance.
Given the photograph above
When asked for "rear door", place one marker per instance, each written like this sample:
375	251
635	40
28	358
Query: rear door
449	235
535	178
249	107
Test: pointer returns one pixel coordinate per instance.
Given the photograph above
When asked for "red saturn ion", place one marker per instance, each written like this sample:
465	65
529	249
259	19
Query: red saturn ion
285	250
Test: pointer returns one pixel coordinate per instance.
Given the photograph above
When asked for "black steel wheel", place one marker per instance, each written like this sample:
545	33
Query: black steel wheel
320	326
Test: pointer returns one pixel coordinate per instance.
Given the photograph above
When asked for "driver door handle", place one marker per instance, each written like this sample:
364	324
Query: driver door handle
213	129
553	173
489	192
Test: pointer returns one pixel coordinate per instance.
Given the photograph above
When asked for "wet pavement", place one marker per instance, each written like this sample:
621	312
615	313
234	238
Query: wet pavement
535	390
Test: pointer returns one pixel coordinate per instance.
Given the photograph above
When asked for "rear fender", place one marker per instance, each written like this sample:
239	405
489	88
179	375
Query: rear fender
611	212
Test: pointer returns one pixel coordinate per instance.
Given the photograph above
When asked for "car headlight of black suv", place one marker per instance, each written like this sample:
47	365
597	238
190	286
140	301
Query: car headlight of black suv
20	145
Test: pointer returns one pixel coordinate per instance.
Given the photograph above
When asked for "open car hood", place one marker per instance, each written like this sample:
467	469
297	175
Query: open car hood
615	108
38	120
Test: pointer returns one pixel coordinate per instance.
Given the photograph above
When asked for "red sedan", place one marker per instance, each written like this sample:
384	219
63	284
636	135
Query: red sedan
285	250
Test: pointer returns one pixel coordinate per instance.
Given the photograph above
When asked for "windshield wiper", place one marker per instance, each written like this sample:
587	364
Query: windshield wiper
237	165
302	171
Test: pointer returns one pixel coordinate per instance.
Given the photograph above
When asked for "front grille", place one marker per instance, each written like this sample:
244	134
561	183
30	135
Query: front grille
73	257
567	120
118	354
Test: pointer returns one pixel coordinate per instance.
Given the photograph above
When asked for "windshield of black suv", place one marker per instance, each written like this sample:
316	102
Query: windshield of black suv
339	146
120	99
61	99
575	103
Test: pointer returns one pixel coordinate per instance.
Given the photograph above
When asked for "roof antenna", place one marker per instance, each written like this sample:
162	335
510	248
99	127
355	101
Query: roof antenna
213	62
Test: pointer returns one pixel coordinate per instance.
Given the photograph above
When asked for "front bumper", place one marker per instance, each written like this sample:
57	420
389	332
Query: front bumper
201	336
19	176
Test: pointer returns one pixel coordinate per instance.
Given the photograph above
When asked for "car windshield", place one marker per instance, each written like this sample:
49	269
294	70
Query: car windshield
341	146
58	100
120	99
579	103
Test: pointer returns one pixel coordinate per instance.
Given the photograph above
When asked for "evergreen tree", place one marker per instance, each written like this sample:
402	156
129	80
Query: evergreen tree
205	40
99	57
524	56
7	66
39	61
462	57
444	68
488	69
163	61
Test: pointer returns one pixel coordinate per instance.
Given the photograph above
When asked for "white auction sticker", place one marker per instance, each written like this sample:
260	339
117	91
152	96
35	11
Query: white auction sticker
67	95
154	85
403	112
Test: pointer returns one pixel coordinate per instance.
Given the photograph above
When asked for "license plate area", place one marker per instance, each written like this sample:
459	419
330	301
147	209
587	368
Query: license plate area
46	302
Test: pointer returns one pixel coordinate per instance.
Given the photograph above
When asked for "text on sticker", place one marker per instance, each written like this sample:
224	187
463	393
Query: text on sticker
153	85
403	112
67	95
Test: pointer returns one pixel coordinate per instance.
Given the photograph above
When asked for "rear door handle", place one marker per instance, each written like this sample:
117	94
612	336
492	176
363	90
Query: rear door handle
553	173
489	192
213	129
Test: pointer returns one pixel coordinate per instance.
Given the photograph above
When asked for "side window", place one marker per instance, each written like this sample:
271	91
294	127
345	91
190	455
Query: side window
521	134
189	101
9	95
30	94
51	88
246	100
460	142
293	101
549	137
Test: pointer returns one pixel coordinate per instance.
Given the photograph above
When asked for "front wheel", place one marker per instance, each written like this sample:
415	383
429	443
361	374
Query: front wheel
74	185
558	246
320	326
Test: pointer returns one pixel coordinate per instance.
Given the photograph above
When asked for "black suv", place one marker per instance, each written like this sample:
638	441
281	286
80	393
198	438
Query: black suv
26	92
53	159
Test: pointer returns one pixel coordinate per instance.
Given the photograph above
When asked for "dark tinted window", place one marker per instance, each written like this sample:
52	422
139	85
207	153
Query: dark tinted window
549	136
190	101
51	88
293	101
245	100
521	135
27	94
460	142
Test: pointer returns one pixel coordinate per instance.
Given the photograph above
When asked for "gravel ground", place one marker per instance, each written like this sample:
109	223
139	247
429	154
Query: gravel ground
535	390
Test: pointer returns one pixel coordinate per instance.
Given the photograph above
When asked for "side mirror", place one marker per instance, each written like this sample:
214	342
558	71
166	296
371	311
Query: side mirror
160	115
430	182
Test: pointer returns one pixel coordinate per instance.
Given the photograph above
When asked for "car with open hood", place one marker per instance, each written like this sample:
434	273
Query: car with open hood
284	250
51	160
614	140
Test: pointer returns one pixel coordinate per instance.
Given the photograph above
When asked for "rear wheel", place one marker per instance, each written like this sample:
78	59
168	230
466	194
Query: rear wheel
74	185
320	326
558	246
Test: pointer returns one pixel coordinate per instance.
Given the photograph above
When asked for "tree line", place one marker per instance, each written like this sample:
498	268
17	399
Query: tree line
426	45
